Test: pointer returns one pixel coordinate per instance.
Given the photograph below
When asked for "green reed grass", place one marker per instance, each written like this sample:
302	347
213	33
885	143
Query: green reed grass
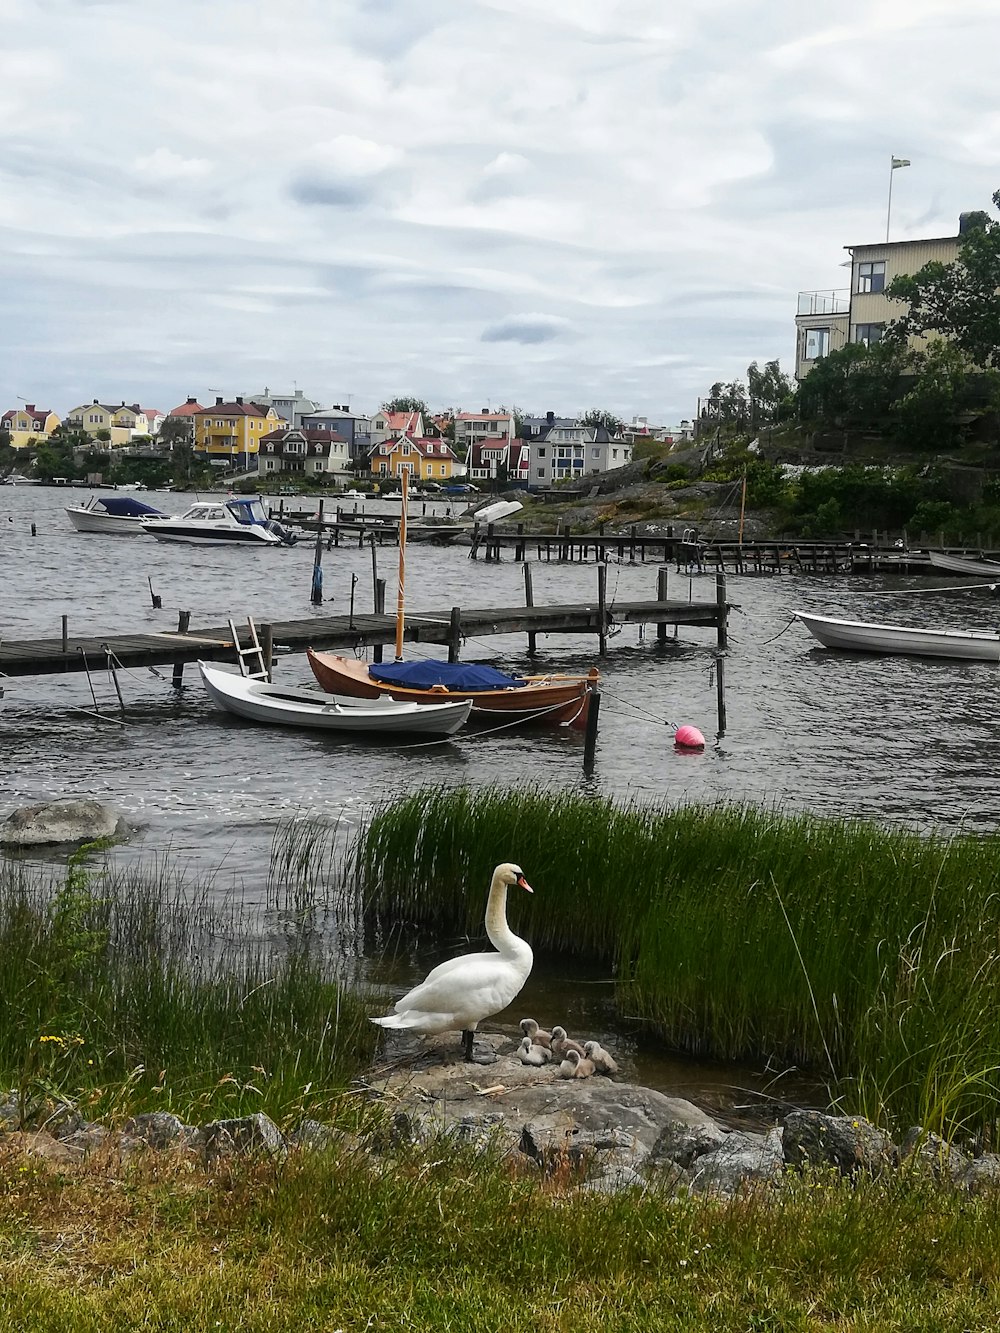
869	954
129	989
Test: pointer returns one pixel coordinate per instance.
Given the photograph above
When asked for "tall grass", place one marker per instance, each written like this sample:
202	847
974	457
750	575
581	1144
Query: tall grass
871	955
129	989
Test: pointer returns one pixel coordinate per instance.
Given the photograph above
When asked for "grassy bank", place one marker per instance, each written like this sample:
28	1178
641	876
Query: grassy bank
131	990
443	1241
871	955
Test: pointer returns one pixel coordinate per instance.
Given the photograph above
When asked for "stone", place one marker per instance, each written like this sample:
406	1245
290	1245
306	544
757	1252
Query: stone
10	1113
75	820
162	1130
87	1139
982	1174
43	1145
850	1143
614	1179
927	1151
314	1136
681	1143
244	1135
742	1159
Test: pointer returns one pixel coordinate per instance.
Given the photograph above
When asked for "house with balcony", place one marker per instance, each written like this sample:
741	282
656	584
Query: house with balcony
473	428
499	462
28	424
340	420
827	320
305	450
422	458
394	425
122	422
291	407
573	452
229	434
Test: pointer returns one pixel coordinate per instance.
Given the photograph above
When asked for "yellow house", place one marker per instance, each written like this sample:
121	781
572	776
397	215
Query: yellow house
225	431
423	459
27	424
120	421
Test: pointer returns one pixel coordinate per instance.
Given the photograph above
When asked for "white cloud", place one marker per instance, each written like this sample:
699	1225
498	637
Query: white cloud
163	165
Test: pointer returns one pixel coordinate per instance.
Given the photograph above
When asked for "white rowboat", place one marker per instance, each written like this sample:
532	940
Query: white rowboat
961	564
258	701
860	637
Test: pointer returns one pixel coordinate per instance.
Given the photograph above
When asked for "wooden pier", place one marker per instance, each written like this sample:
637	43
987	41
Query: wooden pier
354	633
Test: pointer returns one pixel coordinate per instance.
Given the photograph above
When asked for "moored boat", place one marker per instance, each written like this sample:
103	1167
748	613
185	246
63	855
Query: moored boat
494	696
237	520
259	701
112	514
864	637
962	564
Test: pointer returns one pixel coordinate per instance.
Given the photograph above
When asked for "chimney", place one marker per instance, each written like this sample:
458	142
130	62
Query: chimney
218	402
240	401
192	400
485	412
123	402
550	418
95	402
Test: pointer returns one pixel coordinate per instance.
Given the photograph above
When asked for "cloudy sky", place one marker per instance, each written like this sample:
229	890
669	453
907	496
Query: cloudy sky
553	203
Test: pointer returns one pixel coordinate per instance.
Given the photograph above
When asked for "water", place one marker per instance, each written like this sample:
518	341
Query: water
901	740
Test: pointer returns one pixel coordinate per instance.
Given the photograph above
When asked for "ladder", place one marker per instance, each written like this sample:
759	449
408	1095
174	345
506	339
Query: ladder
254	650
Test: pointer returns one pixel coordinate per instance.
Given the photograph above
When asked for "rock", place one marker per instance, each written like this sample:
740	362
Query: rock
10	1113
41	1144
314	1136
245	1135
849	1143
614	1179
87	1139
681	1143
68	821
162	1130
982	1174
741	1159
930	1152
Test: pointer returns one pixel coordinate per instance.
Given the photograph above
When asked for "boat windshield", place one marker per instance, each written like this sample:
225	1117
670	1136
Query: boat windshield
247	511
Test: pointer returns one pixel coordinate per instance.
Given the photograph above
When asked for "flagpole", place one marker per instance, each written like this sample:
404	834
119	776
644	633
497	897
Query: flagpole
894	164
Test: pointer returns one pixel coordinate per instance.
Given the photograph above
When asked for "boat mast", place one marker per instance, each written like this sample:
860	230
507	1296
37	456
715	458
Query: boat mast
400	594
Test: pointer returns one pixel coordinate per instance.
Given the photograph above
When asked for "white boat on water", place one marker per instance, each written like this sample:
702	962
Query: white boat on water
18	479
962	564
238	520
116	515
858	636
277	705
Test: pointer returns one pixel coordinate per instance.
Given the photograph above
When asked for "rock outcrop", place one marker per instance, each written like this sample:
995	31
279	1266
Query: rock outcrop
54	823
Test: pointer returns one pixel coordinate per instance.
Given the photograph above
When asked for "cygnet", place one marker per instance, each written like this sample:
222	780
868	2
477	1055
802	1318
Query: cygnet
531	1054
576	1065
603	1062
536	1035
561	1044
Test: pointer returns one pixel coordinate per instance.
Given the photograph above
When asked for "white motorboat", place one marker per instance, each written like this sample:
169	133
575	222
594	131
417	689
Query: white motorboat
286	706
240	520
962	564
860	637
18	479
112	514
493	513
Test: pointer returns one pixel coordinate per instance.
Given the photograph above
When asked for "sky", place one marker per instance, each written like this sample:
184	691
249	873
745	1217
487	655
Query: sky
552	205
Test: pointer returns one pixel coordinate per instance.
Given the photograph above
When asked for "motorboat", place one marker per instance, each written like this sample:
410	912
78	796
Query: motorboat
112	514
493	513
240	520
277	705
18	479
961	564
861	637
494	696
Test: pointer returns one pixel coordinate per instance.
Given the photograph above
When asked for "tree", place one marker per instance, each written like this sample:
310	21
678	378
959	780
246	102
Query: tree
599	416
728	403
768	389
960	300
176	430
405	404
855	385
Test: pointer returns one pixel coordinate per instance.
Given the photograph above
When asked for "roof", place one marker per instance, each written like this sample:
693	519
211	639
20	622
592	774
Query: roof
401	421
311	435
232	410
425	447
482	416
186	409
29	409
915	240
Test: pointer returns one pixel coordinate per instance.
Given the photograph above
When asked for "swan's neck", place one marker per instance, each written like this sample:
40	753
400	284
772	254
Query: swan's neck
499	933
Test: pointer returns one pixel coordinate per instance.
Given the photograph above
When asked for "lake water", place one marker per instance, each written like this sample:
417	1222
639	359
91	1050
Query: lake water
895	739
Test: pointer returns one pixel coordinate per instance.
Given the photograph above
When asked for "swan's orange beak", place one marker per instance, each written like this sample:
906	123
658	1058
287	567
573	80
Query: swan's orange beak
524	883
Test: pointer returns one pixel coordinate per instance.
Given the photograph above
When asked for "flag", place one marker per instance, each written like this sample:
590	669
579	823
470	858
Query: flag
900	162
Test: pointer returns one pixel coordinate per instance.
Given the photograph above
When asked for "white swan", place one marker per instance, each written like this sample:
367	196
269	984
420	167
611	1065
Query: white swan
457	995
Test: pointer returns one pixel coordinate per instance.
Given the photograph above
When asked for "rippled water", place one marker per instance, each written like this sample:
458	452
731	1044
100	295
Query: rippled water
895	739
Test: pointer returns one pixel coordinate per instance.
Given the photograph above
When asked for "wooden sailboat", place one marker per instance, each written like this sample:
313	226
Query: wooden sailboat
554	699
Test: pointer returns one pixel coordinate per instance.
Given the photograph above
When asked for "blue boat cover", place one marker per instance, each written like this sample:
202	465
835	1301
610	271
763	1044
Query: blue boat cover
123	506
453	675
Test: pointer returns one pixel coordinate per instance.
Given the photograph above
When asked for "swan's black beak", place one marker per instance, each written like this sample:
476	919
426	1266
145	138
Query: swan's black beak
524	883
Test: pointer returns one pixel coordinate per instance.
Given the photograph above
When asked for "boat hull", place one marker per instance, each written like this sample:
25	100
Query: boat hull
166	530
87	520
548	700
861	637
960	564
258	701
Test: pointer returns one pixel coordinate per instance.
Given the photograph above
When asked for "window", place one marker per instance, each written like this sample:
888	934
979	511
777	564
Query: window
541	454
817	343
614	453
595	453
541	472
871	277
869	334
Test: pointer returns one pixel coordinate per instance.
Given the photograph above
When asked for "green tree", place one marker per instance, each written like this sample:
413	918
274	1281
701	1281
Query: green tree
928	415
176	430
599	416
960	300
768	389
404	404
855	385
728	403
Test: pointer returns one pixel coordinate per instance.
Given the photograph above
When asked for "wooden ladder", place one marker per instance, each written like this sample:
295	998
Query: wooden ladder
254	650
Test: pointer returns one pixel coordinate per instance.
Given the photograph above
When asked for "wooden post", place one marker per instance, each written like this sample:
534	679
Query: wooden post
519	548
65	634
529	600
475	542
455	634
491	551
720	600
267	647
316	591
720	692
662	577
590	736
631	544
375	578
602	610
379	611
183	621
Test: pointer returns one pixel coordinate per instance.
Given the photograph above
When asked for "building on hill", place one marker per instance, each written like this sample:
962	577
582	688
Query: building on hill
500	462
230	433
304	449
828	320
354	427
573	452
290	407
28	424
473	428
394	425
424	459
122	422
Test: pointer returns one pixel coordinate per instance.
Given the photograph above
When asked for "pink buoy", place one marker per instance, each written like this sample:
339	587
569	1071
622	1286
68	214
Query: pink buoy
689	738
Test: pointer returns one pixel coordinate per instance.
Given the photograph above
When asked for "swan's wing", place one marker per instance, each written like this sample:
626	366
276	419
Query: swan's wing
470	988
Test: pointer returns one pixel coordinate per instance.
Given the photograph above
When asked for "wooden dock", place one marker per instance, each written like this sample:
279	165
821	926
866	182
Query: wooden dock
354	633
